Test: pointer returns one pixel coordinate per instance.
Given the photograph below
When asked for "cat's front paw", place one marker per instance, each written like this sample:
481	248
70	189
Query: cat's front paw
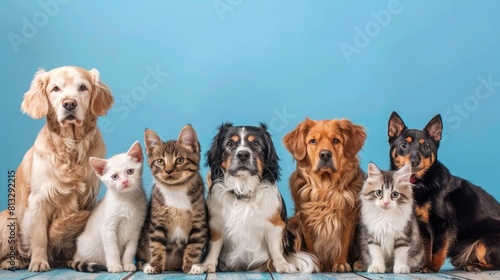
115	268
285	267
402	269
152	269
129	267
376	269
197	269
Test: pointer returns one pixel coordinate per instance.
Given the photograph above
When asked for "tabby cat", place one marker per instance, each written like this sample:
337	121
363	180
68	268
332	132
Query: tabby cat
175	234
389	235
110	238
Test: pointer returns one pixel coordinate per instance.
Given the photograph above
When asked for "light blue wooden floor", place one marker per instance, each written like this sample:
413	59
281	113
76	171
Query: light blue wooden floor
64	273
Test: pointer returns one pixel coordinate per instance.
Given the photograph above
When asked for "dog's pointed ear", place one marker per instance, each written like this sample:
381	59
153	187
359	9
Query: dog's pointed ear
435	128
102	99
396	126
35	103
272	172
354	137
189	139
151	140
213	156
295	140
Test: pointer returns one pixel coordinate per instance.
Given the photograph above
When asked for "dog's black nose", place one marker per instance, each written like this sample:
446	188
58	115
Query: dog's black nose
325	155
415	161
70	104
243	155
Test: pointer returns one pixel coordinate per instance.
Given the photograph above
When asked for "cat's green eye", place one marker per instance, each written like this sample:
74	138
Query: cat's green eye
115	176
394	194
180	160
160	161
379	193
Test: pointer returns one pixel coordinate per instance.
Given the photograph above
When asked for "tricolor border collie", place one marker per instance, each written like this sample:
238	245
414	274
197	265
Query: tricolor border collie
247	213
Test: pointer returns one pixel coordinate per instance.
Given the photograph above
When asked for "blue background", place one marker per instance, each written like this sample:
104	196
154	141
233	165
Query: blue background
266	61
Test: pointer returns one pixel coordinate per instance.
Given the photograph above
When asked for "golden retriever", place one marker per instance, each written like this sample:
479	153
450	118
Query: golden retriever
55	186
325	188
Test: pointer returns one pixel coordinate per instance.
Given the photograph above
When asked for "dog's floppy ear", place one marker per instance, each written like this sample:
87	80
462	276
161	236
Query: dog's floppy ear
395	127
435	128
271	171
295	140
354	137
35	102
102	99
214	154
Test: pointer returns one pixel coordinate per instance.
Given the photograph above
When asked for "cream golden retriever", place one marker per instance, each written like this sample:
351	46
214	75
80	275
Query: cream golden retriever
55	186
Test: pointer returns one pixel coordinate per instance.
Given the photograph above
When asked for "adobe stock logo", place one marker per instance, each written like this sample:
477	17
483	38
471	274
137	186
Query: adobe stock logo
128	102
223	6
30	26
470	103
364	36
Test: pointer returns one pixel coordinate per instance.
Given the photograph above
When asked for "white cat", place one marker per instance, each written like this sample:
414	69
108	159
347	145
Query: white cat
110	238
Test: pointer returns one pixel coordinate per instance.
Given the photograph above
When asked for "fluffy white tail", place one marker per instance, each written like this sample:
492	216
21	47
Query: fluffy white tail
305	262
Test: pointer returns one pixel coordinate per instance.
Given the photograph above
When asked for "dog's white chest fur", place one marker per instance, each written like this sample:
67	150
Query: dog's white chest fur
244	221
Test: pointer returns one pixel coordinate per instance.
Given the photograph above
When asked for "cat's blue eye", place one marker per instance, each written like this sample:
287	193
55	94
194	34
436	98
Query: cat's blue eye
115	177
394	194
130	171
379	193
180	160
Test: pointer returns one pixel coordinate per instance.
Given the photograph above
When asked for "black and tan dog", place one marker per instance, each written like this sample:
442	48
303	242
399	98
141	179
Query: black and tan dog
458	219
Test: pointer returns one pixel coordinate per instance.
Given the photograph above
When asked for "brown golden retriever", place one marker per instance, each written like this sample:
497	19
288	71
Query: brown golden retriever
55	186
325	188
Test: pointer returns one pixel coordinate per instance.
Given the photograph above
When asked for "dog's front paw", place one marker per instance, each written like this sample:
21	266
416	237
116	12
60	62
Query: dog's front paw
197	268
114	268
285	267
341	267
376	268
17	264
429	269
129	267
39	266
152	269
402	269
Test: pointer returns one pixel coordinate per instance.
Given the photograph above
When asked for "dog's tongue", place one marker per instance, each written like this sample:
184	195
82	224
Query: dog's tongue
413	180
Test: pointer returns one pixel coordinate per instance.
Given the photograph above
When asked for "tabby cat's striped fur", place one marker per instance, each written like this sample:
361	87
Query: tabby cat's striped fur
175	234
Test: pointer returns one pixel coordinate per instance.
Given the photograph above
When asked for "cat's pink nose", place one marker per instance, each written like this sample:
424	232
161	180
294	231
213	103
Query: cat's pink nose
386	203
125	183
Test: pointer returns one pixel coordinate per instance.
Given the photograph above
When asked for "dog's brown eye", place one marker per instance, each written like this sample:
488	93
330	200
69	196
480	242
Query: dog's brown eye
336	141
255	143
180	160
83	88
160	161
312	141
56	89
404	145
115	177
425	147
230	143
